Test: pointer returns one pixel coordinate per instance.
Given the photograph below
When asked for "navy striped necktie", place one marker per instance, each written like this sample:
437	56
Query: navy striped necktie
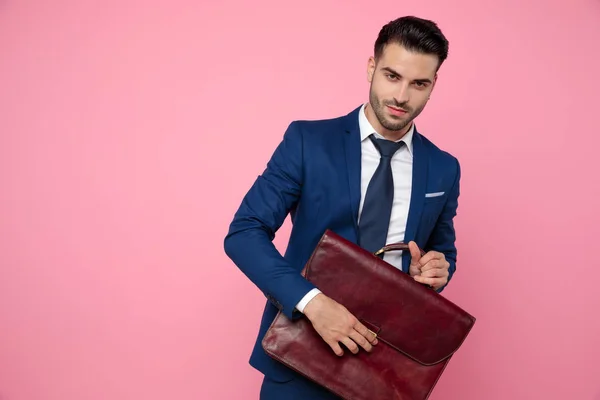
377	207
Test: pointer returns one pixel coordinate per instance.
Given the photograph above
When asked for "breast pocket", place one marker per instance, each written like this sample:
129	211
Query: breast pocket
432	208
432	196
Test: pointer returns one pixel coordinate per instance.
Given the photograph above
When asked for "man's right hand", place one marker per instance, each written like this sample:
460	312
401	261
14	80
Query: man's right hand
336	324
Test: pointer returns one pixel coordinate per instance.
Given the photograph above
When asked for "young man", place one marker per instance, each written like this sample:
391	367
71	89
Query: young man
370	177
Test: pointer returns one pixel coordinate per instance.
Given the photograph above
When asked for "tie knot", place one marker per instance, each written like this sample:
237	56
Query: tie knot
386	148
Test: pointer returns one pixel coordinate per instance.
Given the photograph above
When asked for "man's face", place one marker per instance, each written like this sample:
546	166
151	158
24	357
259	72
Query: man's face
401	82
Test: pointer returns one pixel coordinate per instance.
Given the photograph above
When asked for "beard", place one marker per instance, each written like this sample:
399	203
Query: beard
391	122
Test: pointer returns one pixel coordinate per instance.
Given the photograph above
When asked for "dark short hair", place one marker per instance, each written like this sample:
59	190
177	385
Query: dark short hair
415	34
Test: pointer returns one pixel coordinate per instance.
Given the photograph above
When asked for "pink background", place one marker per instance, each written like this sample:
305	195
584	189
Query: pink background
118	119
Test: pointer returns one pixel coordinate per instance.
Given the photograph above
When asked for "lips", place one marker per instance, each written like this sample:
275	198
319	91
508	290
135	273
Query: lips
397	111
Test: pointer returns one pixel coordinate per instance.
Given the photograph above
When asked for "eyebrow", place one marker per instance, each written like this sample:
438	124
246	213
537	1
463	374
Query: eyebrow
388	69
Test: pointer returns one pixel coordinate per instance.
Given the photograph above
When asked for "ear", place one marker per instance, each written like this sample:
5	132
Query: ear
434	81
433	85
371	64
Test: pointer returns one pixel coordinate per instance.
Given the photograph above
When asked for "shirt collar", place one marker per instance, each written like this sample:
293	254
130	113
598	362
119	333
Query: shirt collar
367	129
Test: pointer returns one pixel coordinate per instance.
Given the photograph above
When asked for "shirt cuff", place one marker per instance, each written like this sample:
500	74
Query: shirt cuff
308	297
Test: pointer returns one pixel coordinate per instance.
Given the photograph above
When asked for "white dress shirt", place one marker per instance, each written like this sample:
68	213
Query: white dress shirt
402	162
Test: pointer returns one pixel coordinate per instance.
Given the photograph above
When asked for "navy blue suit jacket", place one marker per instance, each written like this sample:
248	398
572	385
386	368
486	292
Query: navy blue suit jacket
314	176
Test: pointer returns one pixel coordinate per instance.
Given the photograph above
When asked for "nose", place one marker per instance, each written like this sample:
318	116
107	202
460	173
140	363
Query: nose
402	95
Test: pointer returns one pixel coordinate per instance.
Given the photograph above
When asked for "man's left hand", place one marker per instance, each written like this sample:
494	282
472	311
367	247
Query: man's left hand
429	269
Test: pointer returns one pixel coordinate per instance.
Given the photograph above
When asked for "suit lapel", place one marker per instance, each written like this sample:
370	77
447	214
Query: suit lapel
419	186
353	162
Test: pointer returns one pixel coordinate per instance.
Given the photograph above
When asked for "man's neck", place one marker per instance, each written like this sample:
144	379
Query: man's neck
386	133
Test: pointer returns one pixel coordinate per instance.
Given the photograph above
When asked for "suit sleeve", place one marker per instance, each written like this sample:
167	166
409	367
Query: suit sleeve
249	242
443	237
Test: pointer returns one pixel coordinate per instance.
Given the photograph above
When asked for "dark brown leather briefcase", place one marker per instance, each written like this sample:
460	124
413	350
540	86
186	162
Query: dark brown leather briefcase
418	329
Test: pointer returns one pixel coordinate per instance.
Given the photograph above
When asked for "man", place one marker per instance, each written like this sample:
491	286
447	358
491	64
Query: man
369	176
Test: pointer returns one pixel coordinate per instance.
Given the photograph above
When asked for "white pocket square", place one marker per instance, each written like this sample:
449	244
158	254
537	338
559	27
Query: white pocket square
436	194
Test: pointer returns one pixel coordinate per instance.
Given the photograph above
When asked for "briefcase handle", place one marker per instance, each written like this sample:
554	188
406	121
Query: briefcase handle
399	246
395	246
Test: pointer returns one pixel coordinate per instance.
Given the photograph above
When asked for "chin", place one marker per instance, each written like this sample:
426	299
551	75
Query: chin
395	126
397	123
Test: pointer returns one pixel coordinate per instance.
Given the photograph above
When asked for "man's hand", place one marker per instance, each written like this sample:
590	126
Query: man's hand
336	324
430	269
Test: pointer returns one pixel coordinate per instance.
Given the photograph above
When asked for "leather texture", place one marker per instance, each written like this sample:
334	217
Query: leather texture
418	329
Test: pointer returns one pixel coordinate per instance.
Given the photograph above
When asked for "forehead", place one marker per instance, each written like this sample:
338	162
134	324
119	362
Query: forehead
408	63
